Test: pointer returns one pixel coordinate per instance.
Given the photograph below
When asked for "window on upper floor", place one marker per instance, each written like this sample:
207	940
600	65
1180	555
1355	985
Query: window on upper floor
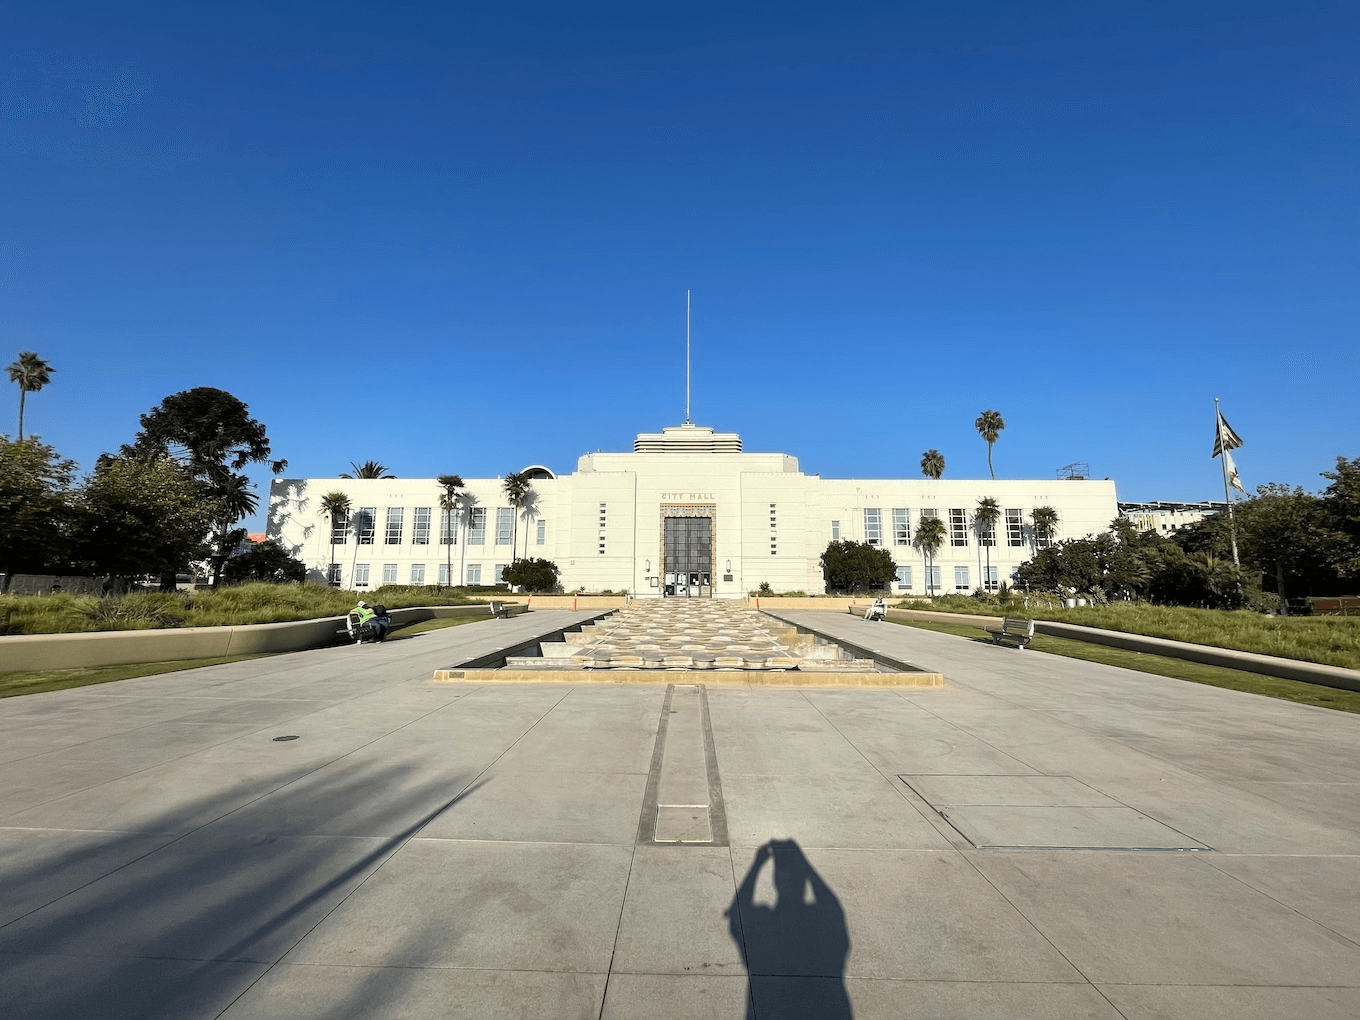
396	515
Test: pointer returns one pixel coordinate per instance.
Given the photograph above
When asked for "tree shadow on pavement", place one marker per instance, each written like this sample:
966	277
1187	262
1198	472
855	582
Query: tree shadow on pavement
795	950
140	925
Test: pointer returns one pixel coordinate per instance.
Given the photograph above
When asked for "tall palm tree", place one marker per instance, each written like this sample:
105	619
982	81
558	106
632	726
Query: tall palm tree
448	503
234	501
985	518
368	469
929	538
31	373
1044	521
932	464
516	488
336	506
989	425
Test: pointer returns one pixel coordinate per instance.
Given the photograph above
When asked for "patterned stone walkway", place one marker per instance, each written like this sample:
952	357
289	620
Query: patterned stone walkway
716	634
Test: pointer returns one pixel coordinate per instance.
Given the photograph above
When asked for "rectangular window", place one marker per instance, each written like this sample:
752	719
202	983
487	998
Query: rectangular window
904	577
1015	528
986	533
474	573
873	526
389	573
365	523
417	573
443	573
960	578
603	520
933	580
448	527
901	529
333	574
477	526
361	573
835	531
396	515
420	526
542	533
989	580
339	529
505	524
958	527
498	574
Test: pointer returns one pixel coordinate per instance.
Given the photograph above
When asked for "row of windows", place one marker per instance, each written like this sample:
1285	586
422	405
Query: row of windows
364	525
958	529
962	577
472	573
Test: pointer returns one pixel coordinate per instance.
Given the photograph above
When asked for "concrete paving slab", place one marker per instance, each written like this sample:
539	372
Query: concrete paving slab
675	916
28	782
483	905
1007	791
118	988
672	997
547	807
1323	889
431	993
888	999
1165	919
1090	828
1232	1002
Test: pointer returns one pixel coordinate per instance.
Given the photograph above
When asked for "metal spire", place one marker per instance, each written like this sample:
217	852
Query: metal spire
687	357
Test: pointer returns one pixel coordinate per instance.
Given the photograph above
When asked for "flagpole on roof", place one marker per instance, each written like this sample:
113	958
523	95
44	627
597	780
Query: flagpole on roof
1221	446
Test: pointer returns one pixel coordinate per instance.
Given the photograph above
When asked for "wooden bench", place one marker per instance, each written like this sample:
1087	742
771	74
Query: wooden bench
1013	628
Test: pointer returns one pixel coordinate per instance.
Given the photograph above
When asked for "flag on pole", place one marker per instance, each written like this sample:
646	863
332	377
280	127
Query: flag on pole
1226	439
1230	469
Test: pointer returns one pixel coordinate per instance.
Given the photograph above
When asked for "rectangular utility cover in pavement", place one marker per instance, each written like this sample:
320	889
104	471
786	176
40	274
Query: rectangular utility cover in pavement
1043	812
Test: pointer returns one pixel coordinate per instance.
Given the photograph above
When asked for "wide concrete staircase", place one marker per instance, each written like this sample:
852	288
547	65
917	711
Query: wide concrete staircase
692	634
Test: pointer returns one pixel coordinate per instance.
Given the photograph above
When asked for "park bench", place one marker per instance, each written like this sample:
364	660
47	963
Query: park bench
499	611
1013	628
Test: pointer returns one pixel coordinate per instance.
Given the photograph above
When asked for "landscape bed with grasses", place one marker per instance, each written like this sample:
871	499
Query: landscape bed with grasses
1333	640
235	606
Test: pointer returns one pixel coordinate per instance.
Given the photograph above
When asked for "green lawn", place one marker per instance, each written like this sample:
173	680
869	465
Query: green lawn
1334	640
1179	669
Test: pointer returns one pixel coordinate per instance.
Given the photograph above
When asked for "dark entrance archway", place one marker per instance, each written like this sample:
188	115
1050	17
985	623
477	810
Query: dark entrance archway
687	556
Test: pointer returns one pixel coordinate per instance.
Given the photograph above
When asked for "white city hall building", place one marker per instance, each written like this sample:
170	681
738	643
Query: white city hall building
686	513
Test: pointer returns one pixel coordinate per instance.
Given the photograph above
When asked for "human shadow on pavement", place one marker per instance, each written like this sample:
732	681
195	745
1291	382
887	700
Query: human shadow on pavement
795	950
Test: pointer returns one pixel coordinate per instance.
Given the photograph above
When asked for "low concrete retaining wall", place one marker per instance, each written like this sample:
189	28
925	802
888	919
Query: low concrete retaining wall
114	647
1337	677
577	602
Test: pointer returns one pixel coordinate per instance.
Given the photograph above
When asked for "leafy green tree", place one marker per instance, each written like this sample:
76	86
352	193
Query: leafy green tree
31	373
368	469
448	503
989	425
233	501
35	507
932	464
856	566
984	519
929	537
267	561
139	516
532	574
1342	498
1286	529
336	507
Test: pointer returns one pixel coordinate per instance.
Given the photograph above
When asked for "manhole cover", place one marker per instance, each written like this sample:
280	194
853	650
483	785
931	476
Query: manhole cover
291	736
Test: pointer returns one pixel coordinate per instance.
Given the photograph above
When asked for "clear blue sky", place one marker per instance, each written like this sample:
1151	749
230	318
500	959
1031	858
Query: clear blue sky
457	238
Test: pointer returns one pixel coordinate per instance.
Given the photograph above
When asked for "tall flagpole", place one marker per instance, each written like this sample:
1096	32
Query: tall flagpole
1227	493
686	357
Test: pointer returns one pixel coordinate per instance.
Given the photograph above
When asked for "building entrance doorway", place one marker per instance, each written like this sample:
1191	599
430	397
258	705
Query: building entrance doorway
687	557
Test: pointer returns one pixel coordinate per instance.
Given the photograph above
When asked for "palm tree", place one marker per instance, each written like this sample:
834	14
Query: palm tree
932	464
368	469
448	503
988	513
989	425
32	374
1045	524
234	501
516	488
929	538
336	507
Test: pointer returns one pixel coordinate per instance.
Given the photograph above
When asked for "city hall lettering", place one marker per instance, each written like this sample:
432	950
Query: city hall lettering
687	510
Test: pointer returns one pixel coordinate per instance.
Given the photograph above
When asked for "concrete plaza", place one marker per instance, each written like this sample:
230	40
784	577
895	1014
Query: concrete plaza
1041	837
